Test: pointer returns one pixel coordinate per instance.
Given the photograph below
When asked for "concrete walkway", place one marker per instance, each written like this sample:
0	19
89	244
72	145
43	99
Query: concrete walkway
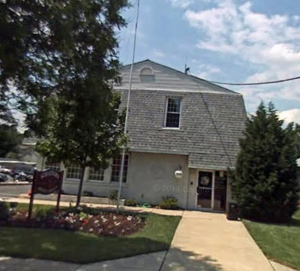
207	241
102	206
148	262
280	267
203	242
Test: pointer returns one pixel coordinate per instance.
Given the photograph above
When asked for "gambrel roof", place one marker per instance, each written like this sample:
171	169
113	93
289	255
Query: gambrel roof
211	122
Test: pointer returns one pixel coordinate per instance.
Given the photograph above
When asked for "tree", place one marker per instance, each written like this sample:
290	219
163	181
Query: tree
9	139
79	118
48	45
264	182
79	133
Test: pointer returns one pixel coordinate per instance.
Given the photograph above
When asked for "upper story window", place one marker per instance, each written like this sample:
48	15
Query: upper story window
173	109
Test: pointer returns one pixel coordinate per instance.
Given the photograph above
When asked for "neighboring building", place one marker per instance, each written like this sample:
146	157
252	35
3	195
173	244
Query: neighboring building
26	157
177	122
26	151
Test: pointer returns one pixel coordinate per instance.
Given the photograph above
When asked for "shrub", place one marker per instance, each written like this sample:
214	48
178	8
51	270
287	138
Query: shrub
89	210
169	203
4	211
130	202
88	193
42	213
113	195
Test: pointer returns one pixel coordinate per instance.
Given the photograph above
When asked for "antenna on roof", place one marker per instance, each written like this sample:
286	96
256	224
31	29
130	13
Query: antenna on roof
186	69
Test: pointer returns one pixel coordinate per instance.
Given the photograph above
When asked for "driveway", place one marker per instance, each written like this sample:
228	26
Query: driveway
208	241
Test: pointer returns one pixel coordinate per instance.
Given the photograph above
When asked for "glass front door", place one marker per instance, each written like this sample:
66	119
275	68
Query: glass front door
204	189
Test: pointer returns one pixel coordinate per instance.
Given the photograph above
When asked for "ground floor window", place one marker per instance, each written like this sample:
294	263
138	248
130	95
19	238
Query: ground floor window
96	174
73	172
116	168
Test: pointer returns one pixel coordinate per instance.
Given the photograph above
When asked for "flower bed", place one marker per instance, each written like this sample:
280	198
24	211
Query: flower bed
89	221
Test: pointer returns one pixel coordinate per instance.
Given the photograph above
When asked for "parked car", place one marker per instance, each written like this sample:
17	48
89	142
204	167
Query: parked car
26	169
5	170
3	177
23	177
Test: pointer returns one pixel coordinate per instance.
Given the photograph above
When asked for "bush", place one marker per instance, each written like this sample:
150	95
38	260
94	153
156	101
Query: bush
88	194
43	213
113	195
4	211
130	202
169	203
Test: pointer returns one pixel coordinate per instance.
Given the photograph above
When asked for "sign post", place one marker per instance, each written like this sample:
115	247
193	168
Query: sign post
46	182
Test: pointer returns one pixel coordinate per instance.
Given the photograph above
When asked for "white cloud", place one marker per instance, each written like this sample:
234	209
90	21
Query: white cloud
292	115
181	3
269	44
157	53
207	70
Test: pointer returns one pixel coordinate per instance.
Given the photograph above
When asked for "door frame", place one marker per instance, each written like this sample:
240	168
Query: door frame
212	190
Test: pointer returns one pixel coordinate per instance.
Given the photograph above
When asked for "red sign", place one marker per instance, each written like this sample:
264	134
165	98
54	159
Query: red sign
47	182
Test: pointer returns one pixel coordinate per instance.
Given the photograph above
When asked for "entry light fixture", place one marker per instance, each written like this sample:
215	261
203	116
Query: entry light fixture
178	173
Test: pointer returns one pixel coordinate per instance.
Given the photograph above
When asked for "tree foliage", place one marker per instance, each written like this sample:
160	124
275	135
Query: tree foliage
10	138
264	182
49	46
78	116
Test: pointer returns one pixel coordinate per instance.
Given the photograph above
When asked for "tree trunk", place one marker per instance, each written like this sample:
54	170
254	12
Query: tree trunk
80	186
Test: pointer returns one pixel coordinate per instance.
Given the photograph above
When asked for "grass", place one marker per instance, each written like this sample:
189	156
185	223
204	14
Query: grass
280	243
82	248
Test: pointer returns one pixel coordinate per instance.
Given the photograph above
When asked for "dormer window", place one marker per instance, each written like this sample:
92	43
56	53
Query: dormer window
173	109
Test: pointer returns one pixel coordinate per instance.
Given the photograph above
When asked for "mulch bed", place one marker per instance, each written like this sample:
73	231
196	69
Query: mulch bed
103	223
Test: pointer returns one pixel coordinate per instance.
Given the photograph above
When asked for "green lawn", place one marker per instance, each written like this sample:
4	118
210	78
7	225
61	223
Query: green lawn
78	247
280	243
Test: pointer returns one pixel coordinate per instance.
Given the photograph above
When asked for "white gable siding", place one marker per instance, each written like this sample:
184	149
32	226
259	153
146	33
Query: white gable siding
165	79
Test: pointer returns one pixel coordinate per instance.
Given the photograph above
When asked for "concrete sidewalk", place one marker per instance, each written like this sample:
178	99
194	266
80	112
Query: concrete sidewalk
202	242
103	207
280	267
148	262
207	241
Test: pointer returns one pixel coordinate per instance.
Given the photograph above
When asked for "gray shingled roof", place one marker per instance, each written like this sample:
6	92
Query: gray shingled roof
198	138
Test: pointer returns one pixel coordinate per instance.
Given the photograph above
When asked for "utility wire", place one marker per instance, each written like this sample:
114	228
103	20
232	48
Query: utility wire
258	83
216	129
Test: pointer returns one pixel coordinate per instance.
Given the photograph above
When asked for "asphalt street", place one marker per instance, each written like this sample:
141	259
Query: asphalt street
12	191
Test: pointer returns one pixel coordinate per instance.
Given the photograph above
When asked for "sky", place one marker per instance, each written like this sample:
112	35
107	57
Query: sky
232	41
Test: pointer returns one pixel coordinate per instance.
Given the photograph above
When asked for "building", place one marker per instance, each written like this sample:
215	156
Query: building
177	123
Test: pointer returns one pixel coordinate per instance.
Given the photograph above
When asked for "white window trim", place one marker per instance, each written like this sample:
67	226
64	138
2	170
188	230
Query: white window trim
166	113
70	179
93	180
146	67
111	172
